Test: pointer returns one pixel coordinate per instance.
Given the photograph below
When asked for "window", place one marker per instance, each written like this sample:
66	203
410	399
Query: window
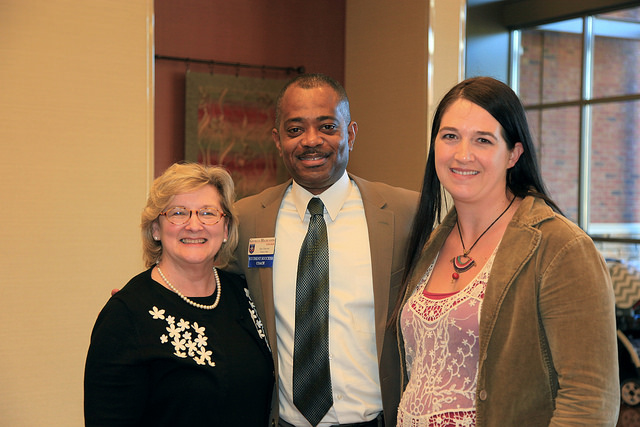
579	80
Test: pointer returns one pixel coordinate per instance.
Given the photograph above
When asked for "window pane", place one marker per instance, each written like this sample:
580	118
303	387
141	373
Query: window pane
615	169
530	67
616	60
557	135
550	71
550	63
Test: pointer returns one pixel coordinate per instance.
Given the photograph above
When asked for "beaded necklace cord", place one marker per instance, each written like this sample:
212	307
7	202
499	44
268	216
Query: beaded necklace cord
187	300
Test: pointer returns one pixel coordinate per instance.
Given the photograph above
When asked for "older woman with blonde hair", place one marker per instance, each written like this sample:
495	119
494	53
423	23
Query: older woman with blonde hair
173	348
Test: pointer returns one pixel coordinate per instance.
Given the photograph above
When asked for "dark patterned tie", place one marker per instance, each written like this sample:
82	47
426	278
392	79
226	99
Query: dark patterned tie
311	378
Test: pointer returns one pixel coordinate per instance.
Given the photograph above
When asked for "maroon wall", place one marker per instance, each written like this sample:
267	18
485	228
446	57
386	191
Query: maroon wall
283	33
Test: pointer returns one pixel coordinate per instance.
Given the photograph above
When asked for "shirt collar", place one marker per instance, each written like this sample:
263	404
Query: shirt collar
333	197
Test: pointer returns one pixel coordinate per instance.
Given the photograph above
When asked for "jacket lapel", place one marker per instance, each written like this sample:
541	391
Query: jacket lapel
518	245
381	233
265	226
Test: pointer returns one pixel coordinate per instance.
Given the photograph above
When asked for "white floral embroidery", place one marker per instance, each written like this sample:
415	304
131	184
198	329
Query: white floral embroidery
255	318
181	334
201	341
205	356
179	344
173	331
157	314
183	325
191	346
199	330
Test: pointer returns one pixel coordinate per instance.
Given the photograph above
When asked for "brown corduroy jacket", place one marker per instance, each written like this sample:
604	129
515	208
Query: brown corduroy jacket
548	350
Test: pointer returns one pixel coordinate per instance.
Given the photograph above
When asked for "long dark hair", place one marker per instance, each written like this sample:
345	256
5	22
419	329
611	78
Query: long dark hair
523	178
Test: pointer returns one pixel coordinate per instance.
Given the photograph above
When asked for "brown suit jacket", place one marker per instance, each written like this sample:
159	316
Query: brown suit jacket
389	212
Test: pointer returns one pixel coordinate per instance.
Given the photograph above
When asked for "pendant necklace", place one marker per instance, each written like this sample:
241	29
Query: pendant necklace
464	262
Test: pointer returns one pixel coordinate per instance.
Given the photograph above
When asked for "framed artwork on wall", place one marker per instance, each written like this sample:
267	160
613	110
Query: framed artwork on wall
228	122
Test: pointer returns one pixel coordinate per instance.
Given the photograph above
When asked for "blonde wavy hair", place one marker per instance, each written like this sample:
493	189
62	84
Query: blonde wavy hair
182	178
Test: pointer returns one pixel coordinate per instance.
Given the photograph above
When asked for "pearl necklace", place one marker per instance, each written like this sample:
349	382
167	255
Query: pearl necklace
193	303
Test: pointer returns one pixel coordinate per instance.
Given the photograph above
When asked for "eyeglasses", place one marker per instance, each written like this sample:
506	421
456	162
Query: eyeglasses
180	215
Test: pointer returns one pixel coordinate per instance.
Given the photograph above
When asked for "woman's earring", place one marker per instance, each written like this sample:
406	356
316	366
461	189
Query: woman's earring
156	238
224	240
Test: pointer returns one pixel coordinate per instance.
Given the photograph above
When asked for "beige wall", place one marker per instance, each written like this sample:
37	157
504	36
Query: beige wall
401	57
386	78
76	138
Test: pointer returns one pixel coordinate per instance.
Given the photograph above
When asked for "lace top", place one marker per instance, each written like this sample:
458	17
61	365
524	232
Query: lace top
441	340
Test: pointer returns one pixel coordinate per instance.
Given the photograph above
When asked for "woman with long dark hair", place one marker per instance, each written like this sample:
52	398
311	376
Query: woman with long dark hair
507	317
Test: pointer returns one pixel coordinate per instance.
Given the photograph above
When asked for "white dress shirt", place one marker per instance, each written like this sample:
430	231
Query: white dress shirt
352	343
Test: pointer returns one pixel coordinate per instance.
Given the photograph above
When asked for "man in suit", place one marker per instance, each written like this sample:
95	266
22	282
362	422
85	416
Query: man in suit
367	225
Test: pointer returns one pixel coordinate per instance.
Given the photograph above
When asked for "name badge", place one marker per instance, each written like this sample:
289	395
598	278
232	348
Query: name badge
261	252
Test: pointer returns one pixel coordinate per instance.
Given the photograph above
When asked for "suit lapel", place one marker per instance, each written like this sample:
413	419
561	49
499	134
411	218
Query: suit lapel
265	226
381	237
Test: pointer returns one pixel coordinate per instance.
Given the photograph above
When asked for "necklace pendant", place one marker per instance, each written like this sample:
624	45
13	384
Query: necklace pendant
462	263
454	276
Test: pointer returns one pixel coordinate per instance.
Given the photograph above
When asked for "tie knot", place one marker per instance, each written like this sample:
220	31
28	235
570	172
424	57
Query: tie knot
315	206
